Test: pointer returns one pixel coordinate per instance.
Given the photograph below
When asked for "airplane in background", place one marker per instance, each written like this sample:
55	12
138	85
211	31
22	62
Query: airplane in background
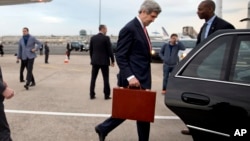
164	35
14	2
248	17
188	32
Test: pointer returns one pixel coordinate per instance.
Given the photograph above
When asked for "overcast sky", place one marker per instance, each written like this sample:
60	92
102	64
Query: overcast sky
68	17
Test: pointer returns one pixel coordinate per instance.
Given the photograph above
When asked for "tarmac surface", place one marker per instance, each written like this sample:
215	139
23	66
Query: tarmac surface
58	108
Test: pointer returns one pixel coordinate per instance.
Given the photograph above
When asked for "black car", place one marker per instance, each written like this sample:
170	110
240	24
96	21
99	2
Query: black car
189	44
156	48
84	47
210	88
75	45
113	46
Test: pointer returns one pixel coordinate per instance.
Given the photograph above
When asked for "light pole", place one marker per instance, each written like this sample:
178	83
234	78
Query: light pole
100	8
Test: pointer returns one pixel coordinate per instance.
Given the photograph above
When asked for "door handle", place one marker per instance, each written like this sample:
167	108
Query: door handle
193	98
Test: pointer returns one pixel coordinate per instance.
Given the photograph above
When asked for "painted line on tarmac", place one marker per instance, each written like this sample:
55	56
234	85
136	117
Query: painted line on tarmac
74	114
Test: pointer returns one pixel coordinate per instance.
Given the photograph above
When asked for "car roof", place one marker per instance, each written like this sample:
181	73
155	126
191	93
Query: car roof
221	33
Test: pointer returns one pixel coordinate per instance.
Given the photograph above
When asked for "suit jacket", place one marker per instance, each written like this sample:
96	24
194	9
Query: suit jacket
24	51
217	24
46	49
100	50
2	87
133	55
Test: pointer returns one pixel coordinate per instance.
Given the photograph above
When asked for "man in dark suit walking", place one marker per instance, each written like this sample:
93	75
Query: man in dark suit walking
133	58
212	23
100	55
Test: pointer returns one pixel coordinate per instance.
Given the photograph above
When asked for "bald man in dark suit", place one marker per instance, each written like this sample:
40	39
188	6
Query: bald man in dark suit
133	58
213	23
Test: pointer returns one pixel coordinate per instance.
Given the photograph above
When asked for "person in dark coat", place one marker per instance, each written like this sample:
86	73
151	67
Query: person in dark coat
46	52
69	49
1	49
5	93
133	58
101	57
212	22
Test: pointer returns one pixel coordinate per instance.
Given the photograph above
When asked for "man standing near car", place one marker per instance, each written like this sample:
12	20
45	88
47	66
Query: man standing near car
169	55
212	22
101	56
133	58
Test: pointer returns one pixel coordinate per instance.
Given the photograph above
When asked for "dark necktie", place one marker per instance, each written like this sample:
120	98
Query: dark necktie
203	32
149	43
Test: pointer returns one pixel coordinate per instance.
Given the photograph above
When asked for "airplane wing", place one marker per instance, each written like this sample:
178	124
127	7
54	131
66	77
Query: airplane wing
14	2
165	33
245	19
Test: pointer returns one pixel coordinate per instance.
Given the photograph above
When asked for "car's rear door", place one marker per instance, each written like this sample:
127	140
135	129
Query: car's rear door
210	89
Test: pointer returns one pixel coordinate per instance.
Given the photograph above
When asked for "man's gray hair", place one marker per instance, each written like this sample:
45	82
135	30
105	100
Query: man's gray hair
150	6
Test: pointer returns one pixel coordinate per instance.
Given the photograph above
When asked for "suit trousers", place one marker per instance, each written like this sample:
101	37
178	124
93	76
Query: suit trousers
22	67
105	75
166	71
46	57
29	66
143	128
4	126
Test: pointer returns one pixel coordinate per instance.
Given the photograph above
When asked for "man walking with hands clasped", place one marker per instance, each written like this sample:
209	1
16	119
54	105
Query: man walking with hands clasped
101	57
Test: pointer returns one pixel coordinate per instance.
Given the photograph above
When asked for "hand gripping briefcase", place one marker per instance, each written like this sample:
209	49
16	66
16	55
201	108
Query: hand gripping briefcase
134	104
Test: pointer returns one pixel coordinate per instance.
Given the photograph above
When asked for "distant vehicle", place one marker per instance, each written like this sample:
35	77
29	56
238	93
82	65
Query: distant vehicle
113	46
189	44
84	47
156	48
157	45
210	88
75	45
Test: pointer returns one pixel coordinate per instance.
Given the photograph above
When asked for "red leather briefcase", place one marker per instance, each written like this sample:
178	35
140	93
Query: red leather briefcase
134	104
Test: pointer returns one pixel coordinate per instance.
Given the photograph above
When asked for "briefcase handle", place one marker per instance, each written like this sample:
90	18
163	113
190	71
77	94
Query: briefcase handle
134	88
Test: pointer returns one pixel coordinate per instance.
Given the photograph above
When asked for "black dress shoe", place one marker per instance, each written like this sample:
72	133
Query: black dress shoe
101	135
107	98
22	81
32	84
92	97
185	132
26	87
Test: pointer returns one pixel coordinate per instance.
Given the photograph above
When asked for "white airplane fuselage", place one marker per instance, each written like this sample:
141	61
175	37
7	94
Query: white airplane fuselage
14	2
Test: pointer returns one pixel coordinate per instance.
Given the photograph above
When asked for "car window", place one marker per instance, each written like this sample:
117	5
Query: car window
189	43
157	44
209	62
241	70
